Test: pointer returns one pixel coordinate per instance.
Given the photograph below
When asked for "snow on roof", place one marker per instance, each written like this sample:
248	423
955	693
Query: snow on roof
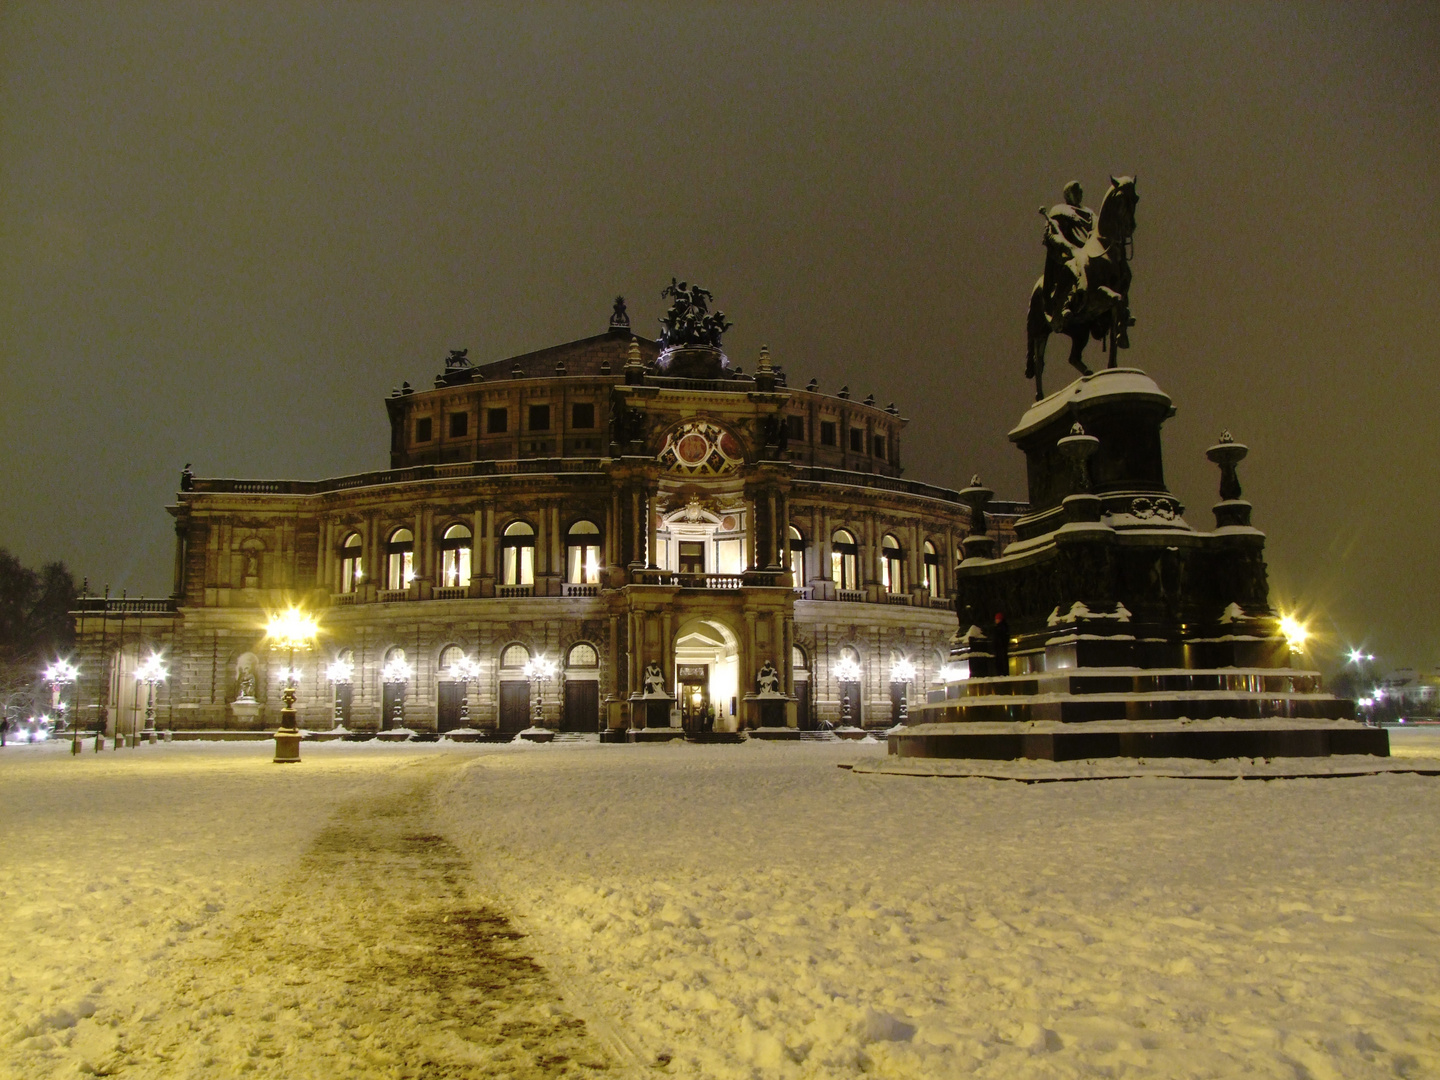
1113	382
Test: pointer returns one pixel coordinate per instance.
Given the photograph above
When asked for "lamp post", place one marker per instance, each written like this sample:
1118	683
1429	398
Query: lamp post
901	672
59	675
397	671
846	671
538	669
463	671
151	672
339	673
289	631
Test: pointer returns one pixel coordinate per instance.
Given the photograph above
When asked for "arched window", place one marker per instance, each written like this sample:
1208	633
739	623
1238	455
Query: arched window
517	554
400	570
844	560
455	556
932	569
796	540
449	657
891	575
582	554
514	656
582	655
799	661
350	571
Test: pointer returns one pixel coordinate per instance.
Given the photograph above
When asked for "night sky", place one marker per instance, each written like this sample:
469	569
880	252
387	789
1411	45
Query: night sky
226	231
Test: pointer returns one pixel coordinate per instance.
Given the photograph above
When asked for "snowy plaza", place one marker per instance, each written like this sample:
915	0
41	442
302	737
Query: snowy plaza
399	910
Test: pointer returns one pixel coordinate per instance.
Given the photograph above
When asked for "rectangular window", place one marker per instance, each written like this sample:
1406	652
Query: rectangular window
692	556
857	440
497	420
827	433
518	566
422	429
582	414
539	417
459	425
880	447
729	559
795	426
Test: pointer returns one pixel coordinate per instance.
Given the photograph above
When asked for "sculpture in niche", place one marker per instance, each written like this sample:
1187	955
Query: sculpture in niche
245	678
654	680
1085	289
768	679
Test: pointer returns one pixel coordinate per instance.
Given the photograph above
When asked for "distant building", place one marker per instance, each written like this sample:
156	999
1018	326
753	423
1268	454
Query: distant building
587	503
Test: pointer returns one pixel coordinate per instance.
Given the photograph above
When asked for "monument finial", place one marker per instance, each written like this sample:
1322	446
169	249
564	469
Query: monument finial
619	317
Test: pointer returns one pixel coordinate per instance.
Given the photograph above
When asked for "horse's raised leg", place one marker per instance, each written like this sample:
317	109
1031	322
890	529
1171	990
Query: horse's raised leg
1035	359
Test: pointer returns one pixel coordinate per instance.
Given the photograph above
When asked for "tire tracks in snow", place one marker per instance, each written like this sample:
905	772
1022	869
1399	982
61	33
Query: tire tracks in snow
377	958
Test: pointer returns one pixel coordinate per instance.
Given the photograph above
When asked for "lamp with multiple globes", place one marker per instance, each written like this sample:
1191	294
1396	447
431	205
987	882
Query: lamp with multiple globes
846	671
538	669
902	672
464	671
152	672
59	675
340	672
397	671
290	631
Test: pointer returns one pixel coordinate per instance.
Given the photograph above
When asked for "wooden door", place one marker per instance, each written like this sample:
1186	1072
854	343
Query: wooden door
447	717
514	706
582	705
394	695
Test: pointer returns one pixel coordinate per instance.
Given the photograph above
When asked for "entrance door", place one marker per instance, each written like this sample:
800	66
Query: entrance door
582	705
897	700
802	705
514	706
451	695
392	703
694	680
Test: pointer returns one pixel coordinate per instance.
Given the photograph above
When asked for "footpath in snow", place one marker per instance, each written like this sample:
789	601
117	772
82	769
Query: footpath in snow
704	911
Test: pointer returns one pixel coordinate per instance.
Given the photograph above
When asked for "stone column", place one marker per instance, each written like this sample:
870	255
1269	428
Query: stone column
650	530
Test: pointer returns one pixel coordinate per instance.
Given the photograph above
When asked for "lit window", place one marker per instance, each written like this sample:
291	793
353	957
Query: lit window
891	576
517	555
796	543
932	569
400	570
455	556
514	656
582	554
350	566
844	560
583	655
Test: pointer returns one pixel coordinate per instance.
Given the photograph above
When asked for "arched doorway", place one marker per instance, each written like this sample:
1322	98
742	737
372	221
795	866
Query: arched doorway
707	675
581	710
514	689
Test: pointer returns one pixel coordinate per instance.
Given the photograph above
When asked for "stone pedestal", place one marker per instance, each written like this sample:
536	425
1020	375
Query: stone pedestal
246	712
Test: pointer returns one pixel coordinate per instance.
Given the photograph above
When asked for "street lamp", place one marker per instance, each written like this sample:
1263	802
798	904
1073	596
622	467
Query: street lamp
339	673
151	672
463	671
397	671
901	672
288	631
846	671
538	669
59	675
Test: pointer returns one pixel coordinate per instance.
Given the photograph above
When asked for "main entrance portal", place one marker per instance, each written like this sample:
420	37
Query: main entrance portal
707	674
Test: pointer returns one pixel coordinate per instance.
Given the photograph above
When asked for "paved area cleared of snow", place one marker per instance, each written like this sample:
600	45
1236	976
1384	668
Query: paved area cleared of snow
704	911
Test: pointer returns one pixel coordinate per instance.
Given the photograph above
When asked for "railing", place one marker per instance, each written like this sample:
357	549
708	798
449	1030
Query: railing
451	592
390	596
459	470
575	589
129	605
511	592
898	598
342	599
852	596
805	593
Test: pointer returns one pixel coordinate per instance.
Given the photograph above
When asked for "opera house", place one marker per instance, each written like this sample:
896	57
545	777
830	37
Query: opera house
613	535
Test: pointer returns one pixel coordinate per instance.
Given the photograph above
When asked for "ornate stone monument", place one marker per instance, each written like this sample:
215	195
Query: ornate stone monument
1111	627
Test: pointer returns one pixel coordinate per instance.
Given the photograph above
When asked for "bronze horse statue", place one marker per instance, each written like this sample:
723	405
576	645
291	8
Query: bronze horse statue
1085	290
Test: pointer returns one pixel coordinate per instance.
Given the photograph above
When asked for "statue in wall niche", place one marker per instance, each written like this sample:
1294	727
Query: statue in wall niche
768	679
246	679
252	564
654	680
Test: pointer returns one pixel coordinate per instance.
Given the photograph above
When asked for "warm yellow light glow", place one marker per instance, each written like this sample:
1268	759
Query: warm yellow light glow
1296	633
292	629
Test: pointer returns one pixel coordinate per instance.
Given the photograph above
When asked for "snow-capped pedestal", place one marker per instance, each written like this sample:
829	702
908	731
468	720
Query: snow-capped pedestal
1110	609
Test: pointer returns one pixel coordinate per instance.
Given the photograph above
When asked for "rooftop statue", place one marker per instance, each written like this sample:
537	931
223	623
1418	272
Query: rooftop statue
690	322
1085	290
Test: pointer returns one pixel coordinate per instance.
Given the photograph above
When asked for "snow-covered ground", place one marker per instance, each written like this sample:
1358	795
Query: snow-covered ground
710	911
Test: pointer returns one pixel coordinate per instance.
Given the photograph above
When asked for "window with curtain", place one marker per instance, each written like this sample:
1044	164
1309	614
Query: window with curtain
455	547
517	554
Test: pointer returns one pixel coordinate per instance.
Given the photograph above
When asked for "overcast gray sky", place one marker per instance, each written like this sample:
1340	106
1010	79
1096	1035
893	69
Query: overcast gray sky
226	230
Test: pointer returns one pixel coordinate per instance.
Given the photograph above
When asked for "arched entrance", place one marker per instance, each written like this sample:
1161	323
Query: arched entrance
707	675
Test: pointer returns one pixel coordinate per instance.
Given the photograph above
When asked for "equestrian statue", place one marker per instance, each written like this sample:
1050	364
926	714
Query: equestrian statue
1085	290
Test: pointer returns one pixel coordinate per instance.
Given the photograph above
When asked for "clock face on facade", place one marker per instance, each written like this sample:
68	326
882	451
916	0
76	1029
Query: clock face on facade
701	447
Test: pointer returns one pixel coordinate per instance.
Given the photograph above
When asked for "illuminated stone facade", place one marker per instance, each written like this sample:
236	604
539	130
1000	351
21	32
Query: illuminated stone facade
579	504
